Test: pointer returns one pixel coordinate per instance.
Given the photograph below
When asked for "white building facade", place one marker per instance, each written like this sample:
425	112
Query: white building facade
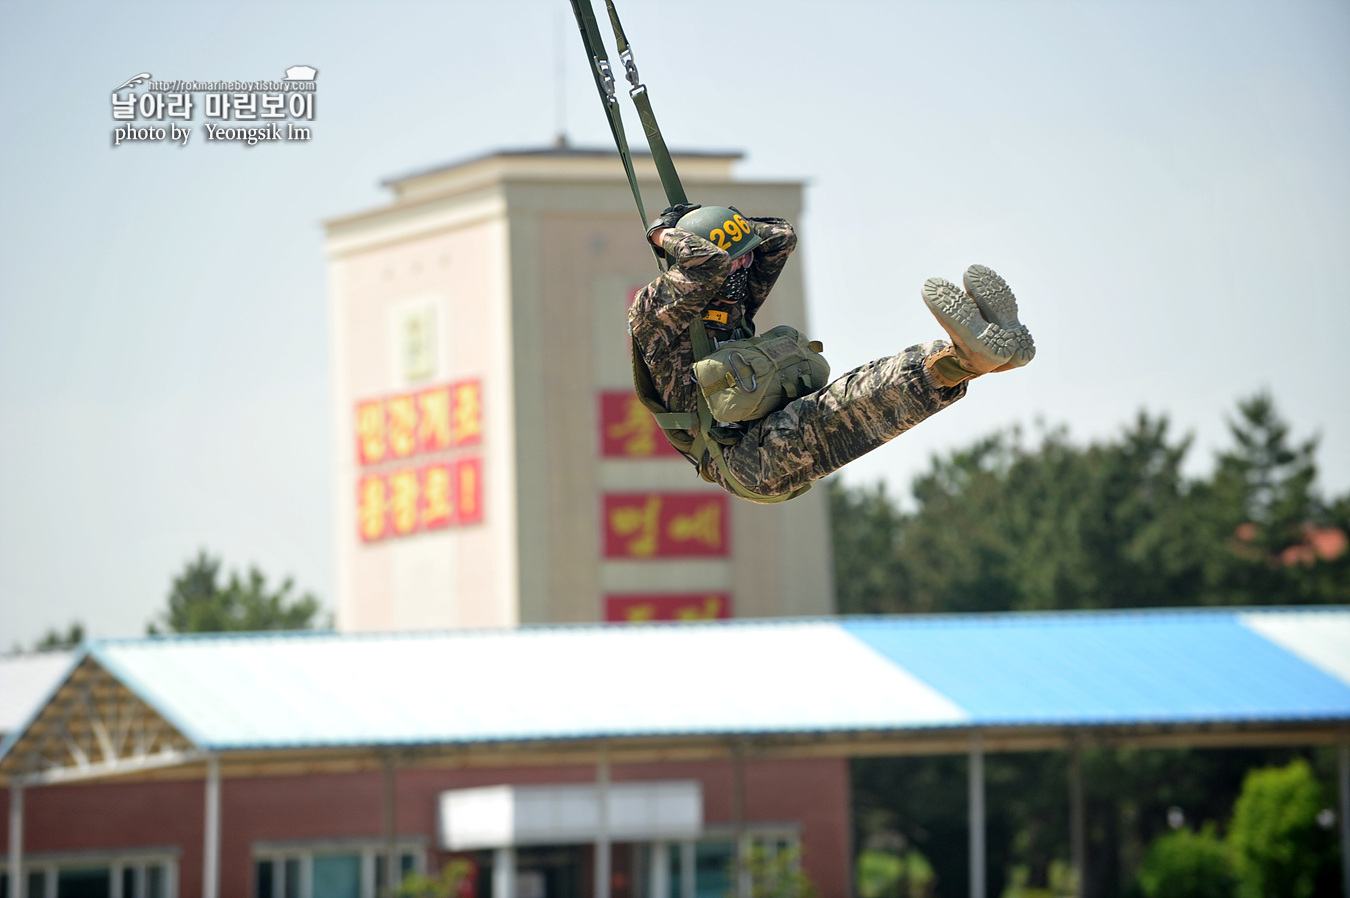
492	465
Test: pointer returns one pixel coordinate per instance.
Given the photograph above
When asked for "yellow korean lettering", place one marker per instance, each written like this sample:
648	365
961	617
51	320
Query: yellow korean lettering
372	508
434	424
703	526
370	431
404	501
436	508
641	524
635	430
402	426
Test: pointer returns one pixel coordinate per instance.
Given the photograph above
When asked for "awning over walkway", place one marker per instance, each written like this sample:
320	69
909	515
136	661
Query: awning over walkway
840	687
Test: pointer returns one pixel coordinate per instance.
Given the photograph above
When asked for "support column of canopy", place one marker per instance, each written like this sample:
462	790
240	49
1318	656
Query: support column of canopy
504	872
659	874
976	788
211	842
1345	810
17	881
1077	824
603	866
743	876
688	868
392	870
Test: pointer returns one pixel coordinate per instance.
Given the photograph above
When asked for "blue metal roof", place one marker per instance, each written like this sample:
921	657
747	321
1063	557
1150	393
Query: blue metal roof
1108	668
882	674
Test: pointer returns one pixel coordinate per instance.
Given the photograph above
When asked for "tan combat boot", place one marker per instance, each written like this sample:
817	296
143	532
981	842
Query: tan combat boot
998	305
978	346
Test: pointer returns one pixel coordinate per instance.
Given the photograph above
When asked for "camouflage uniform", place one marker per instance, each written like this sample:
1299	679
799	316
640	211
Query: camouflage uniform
809	437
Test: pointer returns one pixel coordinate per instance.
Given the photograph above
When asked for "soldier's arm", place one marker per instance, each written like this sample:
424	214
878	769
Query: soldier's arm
779	240
697	269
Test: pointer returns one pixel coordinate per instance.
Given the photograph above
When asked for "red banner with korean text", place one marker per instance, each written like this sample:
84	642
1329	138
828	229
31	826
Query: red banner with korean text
416	477
414	500
666	525
628	430
393	428
693	606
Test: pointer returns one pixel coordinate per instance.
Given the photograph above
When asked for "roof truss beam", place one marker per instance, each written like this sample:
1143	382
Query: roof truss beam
95	727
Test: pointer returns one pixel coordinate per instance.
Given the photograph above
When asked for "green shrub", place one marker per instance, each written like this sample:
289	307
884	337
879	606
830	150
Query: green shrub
776	873
886	874
1277	846
1184	864
451	883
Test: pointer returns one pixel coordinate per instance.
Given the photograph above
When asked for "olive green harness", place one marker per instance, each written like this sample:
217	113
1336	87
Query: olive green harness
677	426
707	436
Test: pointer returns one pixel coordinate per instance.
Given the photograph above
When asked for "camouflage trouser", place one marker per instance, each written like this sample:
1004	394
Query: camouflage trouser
818	434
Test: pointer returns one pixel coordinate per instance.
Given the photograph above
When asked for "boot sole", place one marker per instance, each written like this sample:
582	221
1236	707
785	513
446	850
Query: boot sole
997	303
960	317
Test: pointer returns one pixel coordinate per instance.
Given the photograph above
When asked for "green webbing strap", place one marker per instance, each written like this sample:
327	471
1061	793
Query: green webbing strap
604	82
705	440
676	420
702	423
670	181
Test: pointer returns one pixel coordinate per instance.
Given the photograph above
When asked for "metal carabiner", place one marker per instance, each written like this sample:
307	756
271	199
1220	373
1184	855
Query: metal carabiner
630	71
754	382
606	77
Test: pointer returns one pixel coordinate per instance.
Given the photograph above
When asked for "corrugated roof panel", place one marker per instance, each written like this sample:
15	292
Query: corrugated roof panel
1107	668
868	674
26	680
1322	638
526	684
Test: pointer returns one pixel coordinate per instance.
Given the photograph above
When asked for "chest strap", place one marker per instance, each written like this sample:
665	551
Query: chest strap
704	440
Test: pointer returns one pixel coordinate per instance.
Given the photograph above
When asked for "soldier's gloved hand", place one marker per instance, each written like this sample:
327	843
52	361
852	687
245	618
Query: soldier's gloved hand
668	218
755	221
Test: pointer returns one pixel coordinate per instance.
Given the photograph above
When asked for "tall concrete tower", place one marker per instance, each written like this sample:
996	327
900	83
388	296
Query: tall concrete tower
492	467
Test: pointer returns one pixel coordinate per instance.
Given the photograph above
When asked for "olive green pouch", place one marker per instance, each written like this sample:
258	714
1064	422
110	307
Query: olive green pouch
744	380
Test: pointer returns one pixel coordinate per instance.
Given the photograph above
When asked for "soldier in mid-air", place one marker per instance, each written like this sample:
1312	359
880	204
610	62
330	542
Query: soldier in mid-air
718	283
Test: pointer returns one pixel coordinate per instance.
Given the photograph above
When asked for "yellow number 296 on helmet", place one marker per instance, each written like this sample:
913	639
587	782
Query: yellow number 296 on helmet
725	227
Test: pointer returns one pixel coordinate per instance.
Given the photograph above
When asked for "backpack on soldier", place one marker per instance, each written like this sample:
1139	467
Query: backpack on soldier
745	380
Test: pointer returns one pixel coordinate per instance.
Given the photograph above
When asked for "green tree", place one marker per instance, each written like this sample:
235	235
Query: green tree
1278	847
200	603
55	639
452	882
776	873
1011	524
1258	512
866	529
1185	864
888	874
1272	480
1005	526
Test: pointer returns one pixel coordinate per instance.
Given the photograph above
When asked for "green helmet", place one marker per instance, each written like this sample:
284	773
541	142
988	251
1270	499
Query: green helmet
725	227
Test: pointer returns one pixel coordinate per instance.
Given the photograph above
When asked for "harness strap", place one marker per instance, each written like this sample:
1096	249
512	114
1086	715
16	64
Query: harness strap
675	424
705	440
676	420
670	181
604	83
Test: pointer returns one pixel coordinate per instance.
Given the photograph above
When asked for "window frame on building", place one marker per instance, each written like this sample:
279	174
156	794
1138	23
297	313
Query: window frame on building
775	836
44	871
303	852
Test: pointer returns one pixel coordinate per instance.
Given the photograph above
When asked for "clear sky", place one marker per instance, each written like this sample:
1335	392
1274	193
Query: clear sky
1165	184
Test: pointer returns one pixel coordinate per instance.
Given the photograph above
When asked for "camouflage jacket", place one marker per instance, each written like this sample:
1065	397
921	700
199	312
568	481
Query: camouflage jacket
664	310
